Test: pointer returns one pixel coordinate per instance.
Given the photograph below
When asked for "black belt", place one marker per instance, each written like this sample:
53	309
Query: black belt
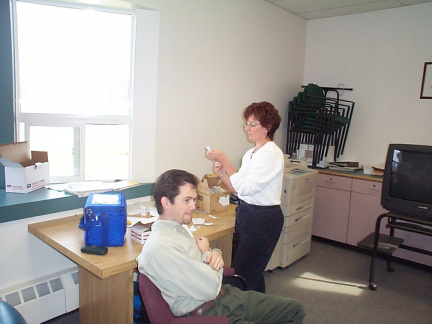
207	305
244	203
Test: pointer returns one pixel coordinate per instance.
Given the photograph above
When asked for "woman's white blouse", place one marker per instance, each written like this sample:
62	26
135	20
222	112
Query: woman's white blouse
259	180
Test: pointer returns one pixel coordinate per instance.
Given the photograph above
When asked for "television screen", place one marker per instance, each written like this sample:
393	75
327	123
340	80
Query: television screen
407	182
411	176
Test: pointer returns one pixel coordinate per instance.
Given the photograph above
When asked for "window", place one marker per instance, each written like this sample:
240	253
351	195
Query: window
74	88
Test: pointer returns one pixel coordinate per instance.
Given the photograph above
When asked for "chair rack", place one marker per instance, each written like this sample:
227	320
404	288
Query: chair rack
317	119
327	89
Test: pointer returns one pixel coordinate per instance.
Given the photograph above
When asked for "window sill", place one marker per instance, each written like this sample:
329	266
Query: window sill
44	201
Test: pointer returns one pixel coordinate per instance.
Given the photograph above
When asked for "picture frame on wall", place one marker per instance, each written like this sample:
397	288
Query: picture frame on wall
426	87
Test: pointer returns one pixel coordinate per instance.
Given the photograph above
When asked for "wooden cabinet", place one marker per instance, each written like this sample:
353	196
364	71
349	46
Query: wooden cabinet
332	204
365	207
346	210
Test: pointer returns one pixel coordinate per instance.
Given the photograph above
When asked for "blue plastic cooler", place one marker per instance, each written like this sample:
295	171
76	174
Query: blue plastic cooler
105	219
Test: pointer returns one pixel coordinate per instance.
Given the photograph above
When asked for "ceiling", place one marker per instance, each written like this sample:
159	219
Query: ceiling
314	9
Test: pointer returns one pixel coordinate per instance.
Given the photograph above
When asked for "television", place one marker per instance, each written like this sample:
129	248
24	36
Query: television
407	181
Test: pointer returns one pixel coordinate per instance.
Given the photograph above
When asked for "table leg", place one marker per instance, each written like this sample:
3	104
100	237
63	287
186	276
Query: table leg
225	245
108	301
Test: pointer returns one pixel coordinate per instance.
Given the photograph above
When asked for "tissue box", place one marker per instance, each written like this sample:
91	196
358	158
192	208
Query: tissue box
140	232
22	171
210	200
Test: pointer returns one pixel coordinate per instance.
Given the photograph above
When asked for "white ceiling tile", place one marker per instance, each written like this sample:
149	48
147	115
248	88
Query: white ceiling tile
346	10
313	9
412	2
301	6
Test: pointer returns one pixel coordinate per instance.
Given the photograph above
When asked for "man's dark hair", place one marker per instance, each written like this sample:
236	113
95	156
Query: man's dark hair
168	184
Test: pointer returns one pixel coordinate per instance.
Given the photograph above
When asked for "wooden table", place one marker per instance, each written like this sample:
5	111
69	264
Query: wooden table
106	282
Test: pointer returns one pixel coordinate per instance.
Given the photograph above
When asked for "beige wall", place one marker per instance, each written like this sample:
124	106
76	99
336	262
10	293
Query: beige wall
215	58
381	56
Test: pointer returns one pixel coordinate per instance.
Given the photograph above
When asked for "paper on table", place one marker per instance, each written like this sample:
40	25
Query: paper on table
335	167
192	228
135	220
379	166
142	208
198	221
375	170
83	189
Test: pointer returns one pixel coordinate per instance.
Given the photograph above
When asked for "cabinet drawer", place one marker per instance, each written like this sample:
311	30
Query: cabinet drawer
294	250
298	207
299	218
334	182
294	232
367	187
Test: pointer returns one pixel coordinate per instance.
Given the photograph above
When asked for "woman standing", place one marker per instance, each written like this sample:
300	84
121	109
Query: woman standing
258	184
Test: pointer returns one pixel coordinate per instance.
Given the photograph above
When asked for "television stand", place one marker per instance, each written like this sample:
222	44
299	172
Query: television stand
386	244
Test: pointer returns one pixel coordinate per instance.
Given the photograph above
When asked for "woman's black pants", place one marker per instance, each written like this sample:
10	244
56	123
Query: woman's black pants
257	231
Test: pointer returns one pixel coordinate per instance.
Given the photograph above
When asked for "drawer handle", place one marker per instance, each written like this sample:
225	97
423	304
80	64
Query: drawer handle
297	244
300	218
303	207
374	189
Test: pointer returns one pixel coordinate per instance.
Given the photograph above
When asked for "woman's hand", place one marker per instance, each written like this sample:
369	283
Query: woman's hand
217	156
223	168
219	169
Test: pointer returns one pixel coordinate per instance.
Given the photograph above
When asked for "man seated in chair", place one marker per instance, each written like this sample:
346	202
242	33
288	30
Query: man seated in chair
189	274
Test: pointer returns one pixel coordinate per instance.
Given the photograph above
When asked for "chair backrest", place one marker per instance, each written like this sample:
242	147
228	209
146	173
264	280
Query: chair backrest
159	312
157	309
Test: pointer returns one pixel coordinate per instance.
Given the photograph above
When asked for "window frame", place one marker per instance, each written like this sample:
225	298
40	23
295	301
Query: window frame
74	120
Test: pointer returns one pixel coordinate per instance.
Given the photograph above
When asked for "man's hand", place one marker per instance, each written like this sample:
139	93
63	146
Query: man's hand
203	244
214	260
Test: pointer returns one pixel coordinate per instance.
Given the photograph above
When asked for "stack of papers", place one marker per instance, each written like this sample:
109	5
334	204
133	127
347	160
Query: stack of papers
83	189
345	166
131	221
141	231
144	208
375	170
140	227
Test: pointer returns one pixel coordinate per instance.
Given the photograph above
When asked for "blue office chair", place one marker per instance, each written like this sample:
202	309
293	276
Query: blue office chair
9	315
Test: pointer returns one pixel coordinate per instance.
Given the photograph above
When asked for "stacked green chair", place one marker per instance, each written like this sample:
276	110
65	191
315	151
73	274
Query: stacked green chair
314	118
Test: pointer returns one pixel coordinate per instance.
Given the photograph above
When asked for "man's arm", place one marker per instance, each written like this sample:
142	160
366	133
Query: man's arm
215	260
177	274
213	257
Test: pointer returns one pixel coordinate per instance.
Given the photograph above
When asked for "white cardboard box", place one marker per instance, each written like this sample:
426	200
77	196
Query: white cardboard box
140	232
305	153
22	171
208	201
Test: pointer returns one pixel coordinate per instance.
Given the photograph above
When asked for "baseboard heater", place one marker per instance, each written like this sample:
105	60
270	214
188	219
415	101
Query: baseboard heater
44	298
